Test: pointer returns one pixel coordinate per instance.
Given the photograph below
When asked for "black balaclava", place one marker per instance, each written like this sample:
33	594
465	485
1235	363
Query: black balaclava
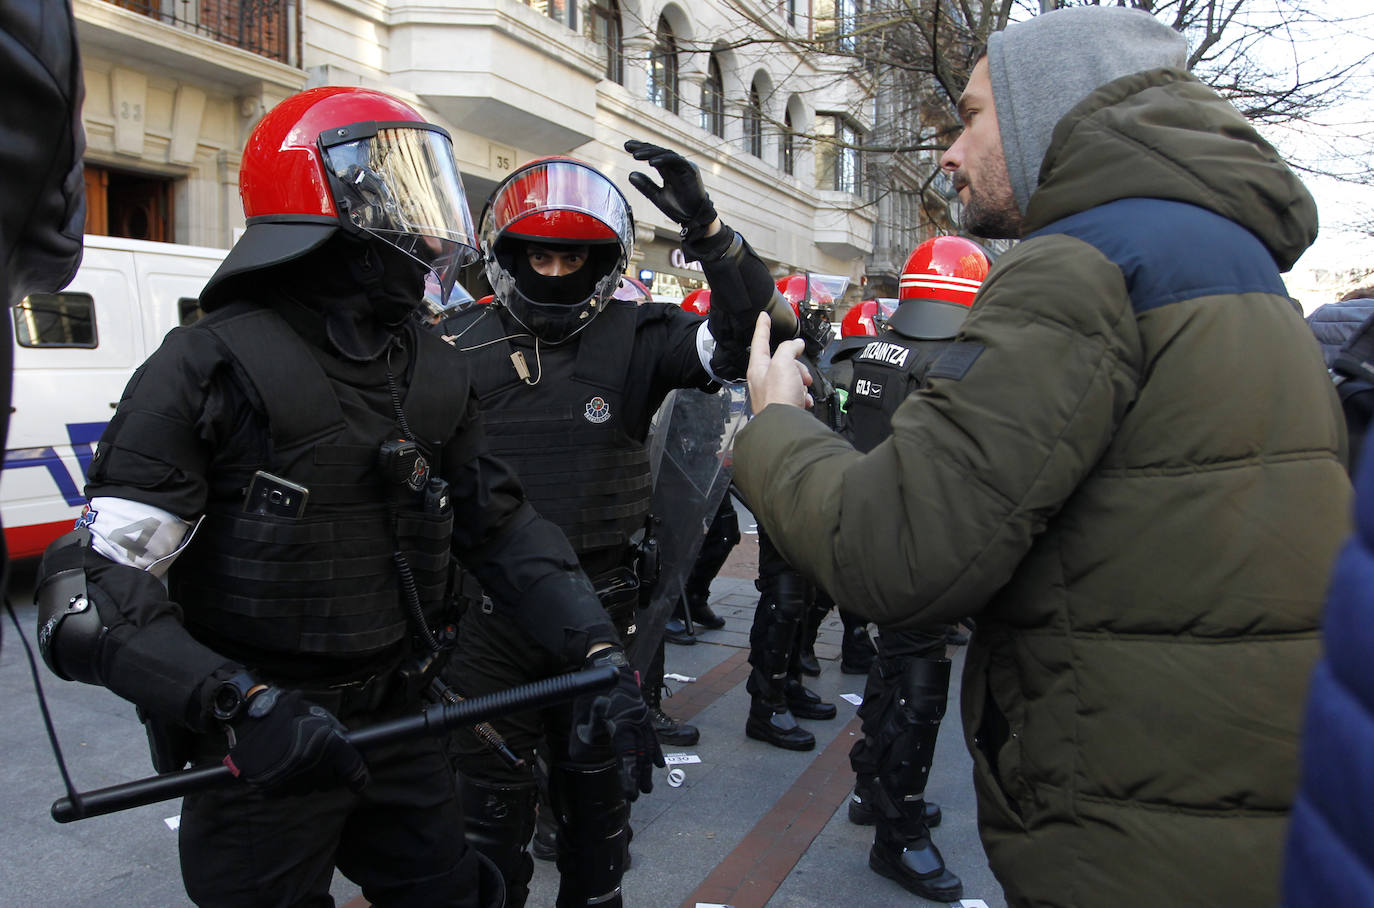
553	307
563	290
363	290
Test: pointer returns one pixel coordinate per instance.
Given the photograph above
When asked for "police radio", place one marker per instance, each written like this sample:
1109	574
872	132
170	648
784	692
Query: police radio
402	462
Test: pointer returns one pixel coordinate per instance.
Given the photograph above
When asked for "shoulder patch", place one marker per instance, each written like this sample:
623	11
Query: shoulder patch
955	361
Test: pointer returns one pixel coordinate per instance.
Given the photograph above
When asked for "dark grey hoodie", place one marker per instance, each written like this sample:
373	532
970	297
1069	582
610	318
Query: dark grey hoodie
1042	67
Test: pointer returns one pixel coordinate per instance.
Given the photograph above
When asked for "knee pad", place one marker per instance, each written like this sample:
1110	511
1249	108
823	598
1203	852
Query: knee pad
593	831
498	821
925	687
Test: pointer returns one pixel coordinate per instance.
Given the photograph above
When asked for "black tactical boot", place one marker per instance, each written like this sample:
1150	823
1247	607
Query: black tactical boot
668	729
769	718
914	863
856	649
778	728
863	807
671	731
805	702
702	615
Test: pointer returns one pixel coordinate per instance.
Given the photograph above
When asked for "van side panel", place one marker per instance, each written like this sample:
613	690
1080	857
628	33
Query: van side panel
65	396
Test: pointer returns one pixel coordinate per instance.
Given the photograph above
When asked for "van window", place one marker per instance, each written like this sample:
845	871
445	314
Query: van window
188	308
55	320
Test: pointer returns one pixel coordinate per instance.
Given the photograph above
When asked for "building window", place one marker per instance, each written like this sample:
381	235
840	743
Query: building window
558	10
603	27
753	123
713	100
663	67
838	21
789	145
791	6
837	159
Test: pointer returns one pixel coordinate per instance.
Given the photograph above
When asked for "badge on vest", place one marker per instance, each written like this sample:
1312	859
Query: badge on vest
598	410
955	361
865	388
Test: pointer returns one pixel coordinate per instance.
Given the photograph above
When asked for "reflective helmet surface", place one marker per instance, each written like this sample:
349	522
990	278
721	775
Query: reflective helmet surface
351	159
815	293
556	203
698	302
632	290
948	269
860	321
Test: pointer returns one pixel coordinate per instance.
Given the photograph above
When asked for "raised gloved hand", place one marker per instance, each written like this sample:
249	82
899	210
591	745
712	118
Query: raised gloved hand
285	744
682	196
618	717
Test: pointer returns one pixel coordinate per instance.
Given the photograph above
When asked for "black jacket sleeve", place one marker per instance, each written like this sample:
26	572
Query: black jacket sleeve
155	451
41	144
741	288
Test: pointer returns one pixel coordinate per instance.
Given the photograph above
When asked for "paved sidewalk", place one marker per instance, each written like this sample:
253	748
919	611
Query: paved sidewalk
751	826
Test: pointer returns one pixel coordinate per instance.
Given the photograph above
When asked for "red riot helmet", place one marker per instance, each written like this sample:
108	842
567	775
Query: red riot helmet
698	302
942	275
354	160
557	204
859	321
813	293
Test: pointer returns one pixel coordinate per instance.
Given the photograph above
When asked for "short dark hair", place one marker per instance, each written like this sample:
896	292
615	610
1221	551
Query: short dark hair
1359	293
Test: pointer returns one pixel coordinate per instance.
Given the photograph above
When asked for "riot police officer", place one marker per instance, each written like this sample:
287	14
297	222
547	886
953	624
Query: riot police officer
777	696
298	467
568	378
908	685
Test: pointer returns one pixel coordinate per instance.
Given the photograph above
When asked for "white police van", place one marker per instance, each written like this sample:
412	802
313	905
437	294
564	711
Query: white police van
74	351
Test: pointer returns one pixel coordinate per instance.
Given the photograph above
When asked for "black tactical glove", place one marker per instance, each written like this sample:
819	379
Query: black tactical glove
285	744
618	717
682	196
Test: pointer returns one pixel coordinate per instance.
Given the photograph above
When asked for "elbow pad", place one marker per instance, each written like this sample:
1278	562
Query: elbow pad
70	628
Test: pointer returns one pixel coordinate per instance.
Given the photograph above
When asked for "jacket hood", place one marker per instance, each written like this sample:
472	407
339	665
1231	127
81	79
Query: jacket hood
1163	134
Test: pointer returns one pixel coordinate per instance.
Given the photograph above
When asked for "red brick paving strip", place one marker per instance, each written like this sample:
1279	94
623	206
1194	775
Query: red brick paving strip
689	699
750	874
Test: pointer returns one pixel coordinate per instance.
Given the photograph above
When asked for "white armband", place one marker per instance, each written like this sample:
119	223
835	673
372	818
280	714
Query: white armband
137	534
706	349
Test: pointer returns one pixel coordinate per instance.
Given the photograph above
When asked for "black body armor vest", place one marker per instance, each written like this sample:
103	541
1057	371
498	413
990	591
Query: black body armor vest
262	587
886	370
564	436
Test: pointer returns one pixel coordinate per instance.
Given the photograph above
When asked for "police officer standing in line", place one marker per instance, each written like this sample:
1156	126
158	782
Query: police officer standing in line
568	378
777	696
298	467
908	685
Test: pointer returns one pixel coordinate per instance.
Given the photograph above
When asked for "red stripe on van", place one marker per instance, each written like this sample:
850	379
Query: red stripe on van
28	541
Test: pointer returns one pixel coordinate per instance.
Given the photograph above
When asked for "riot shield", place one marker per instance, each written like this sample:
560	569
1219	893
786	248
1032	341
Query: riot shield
689	451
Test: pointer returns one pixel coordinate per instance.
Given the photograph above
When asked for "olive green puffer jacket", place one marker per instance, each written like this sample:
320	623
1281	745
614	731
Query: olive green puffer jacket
1130	467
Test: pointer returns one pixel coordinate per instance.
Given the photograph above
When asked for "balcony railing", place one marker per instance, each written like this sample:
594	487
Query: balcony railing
270	28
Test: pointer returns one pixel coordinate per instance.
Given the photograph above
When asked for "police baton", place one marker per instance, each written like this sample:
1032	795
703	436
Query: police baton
435	719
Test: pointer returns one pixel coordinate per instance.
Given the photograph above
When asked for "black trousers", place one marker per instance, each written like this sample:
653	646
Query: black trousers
400	839
493	655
